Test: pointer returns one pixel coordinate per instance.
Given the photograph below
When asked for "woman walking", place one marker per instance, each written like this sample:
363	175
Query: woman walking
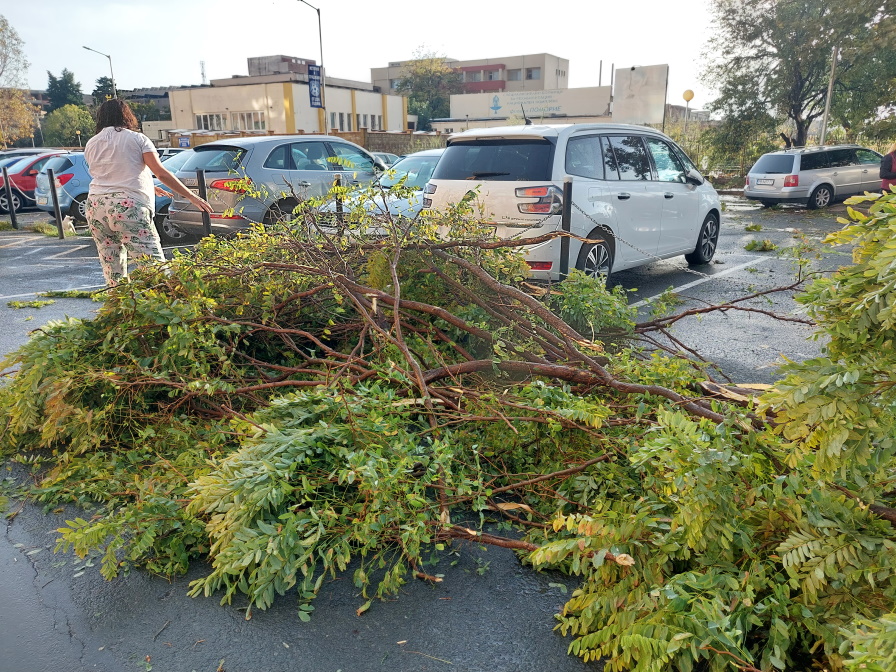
888	168
121	200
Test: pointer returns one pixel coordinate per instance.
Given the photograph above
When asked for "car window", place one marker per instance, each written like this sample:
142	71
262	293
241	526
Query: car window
37	165
176	161
279	159
668	167
866	156
214	159
350	158
417	168
583	157
58	164
774	164
631	157
815	161
310	156
840	158
496	160
611	169
20	165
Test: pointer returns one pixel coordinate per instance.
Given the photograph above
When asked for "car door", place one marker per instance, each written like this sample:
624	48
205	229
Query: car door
314	172
679	223
354	165
846	171
593	206
869	162
638	211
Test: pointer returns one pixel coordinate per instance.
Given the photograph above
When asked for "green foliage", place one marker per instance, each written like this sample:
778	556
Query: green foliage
63	91
96	295
764	245
29	304
753	227
871	645
428	82
103	91
590	308
62	125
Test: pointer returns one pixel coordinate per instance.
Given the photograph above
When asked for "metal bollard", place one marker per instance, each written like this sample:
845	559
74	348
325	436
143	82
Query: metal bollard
565	220
55	197
8	188
203	194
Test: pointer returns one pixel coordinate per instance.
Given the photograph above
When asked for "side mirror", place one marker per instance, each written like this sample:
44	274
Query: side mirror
379	164
693	177
31	173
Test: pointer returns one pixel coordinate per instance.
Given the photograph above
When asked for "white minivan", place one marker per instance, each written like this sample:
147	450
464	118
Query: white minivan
632	187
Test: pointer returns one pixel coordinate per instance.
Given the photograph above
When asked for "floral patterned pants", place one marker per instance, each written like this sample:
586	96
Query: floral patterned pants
120	225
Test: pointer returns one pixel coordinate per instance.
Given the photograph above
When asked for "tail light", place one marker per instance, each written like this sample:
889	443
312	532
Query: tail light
238	186
747	181
63	179
792	181
540	265
550	200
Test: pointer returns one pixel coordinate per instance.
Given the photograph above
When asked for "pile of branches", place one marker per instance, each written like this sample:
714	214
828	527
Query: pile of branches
289	401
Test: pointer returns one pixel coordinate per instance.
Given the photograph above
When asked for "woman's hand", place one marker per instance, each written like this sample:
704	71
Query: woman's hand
200	203
163	192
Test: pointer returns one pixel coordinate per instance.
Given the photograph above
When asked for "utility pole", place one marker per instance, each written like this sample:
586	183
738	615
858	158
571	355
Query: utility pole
827	102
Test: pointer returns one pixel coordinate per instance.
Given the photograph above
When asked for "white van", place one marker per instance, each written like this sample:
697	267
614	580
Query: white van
632	186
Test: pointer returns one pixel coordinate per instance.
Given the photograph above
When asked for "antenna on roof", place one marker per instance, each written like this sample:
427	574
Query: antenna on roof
525	118
202	68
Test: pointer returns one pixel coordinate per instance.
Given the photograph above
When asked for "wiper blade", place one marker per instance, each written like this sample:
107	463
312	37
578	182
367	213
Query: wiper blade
475	175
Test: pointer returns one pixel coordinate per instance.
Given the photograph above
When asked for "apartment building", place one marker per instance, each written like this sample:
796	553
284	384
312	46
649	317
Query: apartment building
531	72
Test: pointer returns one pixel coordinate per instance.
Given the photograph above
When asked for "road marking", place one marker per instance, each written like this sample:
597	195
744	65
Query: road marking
70	289
69	251
729	271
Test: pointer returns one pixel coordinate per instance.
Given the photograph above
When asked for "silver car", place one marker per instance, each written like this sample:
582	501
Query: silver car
814	176
283	170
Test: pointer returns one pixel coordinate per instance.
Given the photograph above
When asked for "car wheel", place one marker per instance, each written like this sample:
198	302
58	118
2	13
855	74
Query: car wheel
4	202
596	259
168	233
281	211
821	197
707	242
78	208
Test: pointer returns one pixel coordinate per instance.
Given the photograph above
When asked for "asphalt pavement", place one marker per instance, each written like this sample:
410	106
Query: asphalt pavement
490	613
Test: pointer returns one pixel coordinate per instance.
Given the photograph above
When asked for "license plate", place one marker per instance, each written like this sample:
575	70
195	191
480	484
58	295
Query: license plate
195	192
42	200
769	182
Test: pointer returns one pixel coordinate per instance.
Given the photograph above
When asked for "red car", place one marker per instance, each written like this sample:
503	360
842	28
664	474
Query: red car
23	178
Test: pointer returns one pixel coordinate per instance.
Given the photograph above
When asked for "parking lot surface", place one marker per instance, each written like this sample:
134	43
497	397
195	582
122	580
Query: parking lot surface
490	613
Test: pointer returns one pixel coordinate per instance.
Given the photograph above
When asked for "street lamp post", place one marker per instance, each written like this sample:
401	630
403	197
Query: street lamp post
688	97
78	133
323	92
114	91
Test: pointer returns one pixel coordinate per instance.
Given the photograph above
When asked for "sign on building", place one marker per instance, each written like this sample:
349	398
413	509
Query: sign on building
537	105
314	89
639	94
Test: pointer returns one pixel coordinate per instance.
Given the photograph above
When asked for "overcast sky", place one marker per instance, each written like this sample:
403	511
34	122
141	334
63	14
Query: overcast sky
161	42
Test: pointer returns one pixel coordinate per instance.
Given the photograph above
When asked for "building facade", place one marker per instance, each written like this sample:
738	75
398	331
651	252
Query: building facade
279	102
531	72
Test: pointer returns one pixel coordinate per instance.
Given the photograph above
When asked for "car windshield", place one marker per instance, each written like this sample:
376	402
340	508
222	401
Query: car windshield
19	165
418	170
9	161
500	160
57	164
774	164
213	159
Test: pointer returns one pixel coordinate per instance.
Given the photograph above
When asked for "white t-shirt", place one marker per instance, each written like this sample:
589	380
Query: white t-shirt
115	159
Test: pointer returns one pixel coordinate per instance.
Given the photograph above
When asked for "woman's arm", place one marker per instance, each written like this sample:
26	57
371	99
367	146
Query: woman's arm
886	168
151	159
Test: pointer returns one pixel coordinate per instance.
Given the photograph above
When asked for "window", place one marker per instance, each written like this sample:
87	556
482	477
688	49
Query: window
515	75
357	122
668	167
493	75
473	77
379	122
774	164
814	161
533	73
310	156
496	160
210	122
365	122
333	120
214	159
247	121
279	159
351	158
341	121
372	122
393	83
631	157
611	171
348	121
583	157
866	156
840	158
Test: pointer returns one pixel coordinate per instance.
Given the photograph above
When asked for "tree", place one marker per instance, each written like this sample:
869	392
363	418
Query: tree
61	126
16	112
103	90
63	90
428	83
776	54
149	112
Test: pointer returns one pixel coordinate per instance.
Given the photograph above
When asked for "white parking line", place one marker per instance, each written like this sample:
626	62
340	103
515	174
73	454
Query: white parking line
69	289
681	288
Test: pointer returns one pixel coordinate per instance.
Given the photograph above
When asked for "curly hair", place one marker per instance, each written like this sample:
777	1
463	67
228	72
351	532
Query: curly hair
116	113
